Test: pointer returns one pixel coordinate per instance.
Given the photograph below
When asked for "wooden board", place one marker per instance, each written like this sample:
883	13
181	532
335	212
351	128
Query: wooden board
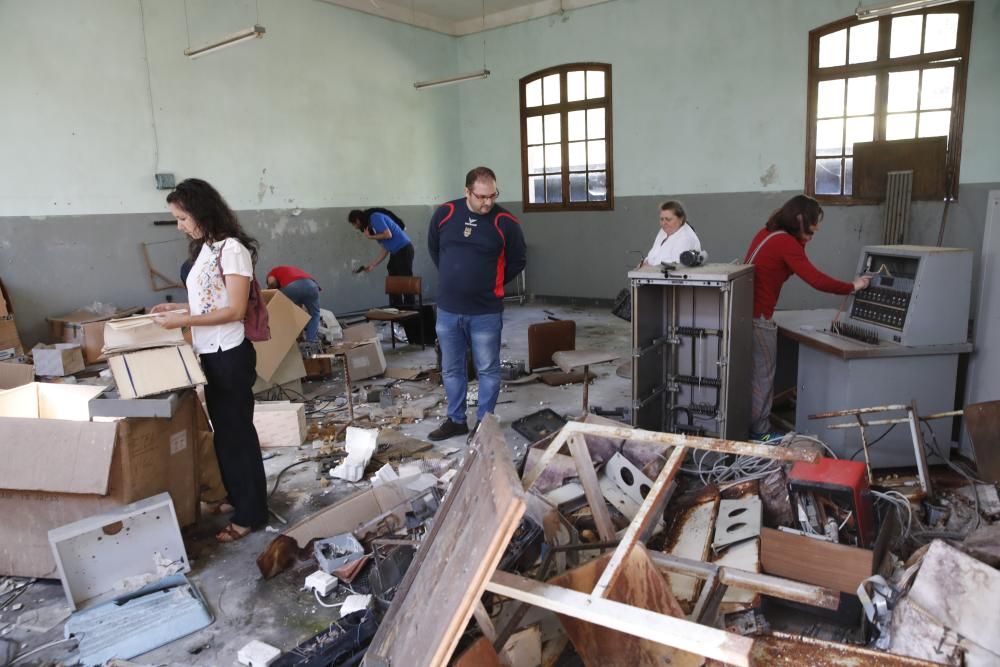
547	338
724	646
454	562
480	654
873	160
983	423
640	585
813	561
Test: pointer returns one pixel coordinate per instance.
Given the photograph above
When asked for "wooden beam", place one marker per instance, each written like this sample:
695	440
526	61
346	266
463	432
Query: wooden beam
531	476
591	487
675	632
679	440
485	622
642	520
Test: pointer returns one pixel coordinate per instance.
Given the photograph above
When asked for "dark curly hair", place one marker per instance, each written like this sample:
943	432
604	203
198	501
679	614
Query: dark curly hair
212	214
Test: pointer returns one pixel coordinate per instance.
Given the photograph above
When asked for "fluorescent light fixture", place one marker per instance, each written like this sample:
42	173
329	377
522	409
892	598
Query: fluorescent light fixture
896	7
255	32
472	76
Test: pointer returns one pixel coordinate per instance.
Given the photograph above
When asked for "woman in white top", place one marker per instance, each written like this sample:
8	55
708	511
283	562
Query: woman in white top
675	236
218	286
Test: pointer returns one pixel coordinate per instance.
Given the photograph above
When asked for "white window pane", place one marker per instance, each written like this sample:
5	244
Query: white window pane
935	123
901	126
536	160
860	95
578	187
935	89
864	43
577	121
551	88
830	136
859	130
535	130
553	158
903	89
553	188
533	93
536	189
905	36
552	133
576	86
830	98
577	156
942	32
597	186
848	176
595	84
833	49
828	177
595	123
596	155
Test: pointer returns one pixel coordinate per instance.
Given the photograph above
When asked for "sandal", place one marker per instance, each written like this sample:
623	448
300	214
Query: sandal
220	507
231	533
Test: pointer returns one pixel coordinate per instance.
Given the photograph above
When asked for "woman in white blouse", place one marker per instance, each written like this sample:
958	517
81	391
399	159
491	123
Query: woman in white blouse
218	286
675	236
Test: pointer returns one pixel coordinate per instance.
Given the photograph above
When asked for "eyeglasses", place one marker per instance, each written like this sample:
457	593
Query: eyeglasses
485	197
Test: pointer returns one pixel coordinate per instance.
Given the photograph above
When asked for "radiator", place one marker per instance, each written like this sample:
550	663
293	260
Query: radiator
896	223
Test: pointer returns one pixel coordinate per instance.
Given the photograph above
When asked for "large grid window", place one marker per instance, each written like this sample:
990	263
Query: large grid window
566	138
894	77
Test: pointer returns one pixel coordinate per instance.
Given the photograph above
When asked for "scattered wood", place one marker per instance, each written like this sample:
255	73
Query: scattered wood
815	561
591	487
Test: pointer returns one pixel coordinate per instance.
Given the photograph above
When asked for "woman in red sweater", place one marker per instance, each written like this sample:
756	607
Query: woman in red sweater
777	251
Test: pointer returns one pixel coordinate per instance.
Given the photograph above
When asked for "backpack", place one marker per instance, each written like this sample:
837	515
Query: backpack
256	323
386	212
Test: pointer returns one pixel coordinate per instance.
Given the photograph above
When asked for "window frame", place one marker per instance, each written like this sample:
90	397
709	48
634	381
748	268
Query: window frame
563	108
881	67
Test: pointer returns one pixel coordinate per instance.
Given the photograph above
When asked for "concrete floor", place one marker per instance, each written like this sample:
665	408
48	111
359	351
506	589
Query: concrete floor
277	611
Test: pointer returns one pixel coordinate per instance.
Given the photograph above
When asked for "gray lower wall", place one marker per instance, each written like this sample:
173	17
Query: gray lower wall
54	265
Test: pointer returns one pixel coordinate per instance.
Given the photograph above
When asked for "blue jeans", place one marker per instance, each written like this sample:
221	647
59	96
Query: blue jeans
482	334
305	293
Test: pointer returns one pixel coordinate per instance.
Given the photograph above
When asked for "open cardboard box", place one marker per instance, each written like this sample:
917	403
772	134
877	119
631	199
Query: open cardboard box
60	467
364	354
155	370
86	328
286	321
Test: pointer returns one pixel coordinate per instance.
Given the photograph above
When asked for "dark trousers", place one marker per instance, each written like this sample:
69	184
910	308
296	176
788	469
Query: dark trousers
229	397
401	264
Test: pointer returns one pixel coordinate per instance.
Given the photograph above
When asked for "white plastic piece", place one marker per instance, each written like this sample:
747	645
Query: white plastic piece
353	603
321	582
257	654
360	446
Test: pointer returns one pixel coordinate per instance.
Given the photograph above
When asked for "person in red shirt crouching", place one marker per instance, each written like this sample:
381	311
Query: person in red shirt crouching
303	290
776	252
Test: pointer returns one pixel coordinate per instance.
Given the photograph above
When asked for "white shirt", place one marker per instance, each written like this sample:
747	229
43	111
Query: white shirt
669	248
207	293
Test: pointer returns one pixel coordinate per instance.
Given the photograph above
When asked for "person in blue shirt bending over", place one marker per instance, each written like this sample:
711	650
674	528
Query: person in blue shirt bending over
478	248
384	226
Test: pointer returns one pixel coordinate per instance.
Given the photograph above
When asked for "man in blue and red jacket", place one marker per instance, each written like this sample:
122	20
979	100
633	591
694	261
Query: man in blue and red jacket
478	248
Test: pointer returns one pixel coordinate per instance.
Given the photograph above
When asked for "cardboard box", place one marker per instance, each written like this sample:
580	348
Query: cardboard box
59	467
365	358
14	374
10	342
155	371
318	368
138	332
86	328
291	369
280	423
286	320
57	360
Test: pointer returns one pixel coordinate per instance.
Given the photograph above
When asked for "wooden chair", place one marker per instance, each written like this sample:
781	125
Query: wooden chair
402	286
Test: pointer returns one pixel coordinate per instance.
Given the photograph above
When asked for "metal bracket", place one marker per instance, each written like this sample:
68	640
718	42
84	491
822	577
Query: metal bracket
738	520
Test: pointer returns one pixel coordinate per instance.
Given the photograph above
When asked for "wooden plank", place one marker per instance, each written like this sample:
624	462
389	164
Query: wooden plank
455	561
640	586
643	519
814	561
591	487
660	628
550	452
693	442
484	621
480	654
926	157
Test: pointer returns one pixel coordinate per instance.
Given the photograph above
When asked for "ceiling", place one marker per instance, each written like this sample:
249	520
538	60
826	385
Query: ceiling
462	17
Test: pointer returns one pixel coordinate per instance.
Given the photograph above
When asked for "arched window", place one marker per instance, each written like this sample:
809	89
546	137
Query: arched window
890	78
566	138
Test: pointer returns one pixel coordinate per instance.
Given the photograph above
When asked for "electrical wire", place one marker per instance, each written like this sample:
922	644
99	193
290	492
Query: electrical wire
872	443
284	470
324	604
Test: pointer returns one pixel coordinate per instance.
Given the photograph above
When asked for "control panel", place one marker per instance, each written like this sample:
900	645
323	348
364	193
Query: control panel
918	295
